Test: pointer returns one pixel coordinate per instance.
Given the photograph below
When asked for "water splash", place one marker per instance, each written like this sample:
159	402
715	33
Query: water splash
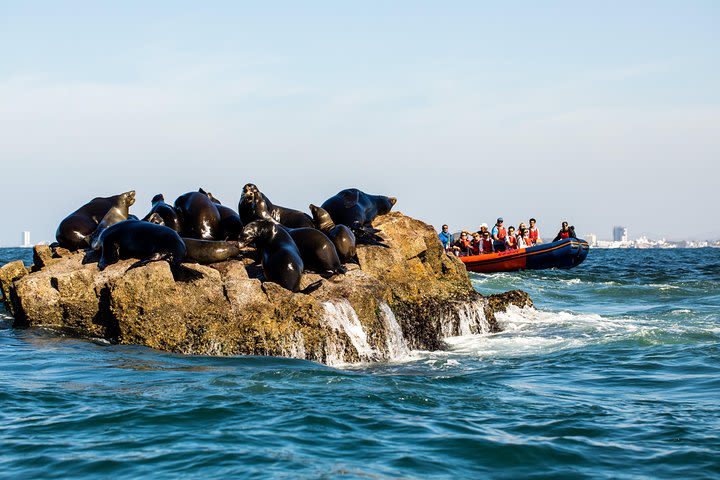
341	317
397	347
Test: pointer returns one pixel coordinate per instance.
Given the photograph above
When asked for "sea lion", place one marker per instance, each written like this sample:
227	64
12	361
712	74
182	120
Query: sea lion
117	213
280	258
230	223
317	251
357	209
342	237
74	229
253	201
199	216
168	214
154	218
210	251
145	241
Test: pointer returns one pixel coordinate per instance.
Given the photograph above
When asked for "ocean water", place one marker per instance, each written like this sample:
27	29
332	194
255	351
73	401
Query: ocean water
614	374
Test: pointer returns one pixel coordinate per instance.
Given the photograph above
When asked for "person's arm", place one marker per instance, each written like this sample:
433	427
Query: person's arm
539	239
557	237
494	234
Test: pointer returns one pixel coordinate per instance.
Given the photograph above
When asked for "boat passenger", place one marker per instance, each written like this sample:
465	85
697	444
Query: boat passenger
445	237
463	245
498	235
534	232
487	242
522	238
476	244
510	240
565	232
483	229
527	239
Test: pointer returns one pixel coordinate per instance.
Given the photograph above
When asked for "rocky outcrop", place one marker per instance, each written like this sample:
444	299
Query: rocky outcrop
405	294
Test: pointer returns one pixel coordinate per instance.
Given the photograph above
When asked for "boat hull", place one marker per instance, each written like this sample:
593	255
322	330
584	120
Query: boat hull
567	253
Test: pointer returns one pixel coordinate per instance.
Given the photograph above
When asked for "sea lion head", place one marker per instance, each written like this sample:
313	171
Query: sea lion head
258	232
385	204
321	218
128	197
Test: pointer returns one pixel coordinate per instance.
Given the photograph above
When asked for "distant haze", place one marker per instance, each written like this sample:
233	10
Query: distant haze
602	113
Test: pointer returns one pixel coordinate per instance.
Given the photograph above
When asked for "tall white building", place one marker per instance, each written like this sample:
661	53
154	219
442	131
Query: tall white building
26	239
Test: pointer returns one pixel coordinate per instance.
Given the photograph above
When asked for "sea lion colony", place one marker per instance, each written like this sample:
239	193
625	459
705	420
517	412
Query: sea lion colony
198	228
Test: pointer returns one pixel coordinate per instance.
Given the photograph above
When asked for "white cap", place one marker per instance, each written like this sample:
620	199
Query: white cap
483	225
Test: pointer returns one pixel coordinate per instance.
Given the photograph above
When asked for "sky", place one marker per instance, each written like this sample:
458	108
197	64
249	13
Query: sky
601	113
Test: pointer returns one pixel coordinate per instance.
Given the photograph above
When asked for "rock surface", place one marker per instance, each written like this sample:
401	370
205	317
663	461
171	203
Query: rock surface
406	294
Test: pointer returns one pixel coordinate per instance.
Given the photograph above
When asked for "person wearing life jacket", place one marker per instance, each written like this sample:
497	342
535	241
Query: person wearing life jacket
476	244
498	235
522	237
534	232
510	240
565	232
445	237
463	245
487	242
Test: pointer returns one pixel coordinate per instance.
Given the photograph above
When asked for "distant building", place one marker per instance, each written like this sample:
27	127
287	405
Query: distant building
26	239
591	238
620	234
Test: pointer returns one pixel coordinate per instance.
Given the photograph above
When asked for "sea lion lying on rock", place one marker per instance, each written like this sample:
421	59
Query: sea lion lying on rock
230	223
342	237
117	213
254	205
280	257
148	242
167	212
76	227
357	210
210	251
199	216
317	251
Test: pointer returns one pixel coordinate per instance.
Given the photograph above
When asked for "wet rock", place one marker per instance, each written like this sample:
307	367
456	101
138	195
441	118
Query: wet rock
404	294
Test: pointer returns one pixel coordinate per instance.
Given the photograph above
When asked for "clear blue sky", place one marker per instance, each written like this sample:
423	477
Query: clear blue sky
601	113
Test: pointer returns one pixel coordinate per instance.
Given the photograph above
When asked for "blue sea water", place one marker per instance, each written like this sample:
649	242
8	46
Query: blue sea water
615	374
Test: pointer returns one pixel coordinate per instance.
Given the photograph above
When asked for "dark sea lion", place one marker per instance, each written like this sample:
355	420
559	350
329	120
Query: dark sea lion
74	228
316	250
357	209
280	258
167	212
199	216
145	241
248	208
210	251
230	223
117	213
342	237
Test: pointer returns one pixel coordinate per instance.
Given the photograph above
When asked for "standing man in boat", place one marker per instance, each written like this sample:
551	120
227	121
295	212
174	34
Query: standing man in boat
498	235
445	237
534	232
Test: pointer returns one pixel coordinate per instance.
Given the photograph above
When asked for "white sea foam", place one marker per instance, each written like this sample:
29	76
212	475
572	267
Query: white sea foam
397	347
341	316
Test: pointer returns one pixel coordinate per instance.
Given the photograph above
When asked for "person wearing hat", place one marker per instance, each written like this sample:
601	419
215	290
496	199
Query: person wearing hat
498	235
483	229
